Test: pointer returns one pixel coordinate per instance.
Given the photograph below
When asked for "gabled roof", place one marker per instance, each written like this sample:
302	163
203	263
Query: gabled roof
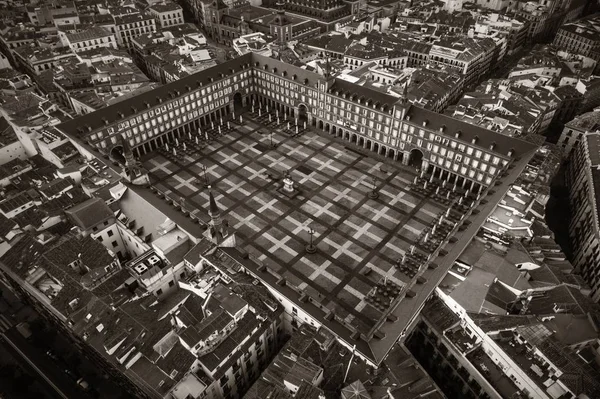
89	213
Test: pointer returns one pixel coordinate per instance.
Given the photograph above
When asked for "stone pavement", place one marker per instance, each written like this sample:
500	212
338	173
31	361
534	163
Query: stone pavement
353	232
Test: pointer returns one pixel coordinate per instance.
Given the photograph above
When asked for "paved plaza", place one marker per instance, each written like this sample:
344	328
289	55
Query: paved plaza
353	232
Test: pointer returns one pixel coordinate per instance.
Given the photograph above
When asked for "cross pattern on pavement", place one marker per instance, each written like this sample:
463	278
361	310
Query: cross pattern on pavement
352	231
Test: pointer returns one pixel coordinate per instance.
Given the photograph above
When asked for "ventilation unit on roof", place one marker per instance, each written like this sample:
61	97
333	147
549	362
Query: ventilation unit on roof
140	268
153	260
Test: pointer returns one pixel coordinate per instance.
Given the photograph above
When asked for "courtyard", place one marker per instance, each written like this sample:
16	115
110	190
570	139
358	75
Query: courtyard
360	239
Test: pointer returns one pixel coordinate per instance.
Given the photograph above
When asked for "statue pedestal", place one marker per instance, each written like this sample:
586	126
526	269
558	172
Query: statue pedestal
288	185
288	188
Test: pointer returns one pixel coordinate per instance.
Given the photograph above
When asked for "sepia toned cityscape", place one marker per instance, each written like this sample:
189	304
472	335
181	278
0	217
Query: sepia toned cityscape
309	199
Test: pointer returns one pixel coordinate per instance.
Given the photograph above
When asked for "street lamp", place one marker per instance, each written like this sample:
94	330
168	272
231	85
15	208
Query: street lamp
206	182
374	194
310	248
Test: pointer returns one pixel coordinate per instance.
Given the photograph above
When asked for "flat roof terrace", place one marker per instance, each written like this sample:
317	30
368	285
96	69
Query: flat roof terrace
363	263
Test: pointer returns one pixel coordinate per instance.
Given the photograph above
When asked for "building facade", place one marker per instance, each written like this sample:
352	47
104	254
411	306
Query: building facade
129	26
580	37
90	39
362	116
582	177
167	14
575	130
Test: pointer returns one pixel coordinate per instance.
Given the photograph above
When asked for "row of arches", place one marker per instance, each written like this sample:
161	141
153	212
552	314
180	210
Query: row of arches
116	152
361	141
414	158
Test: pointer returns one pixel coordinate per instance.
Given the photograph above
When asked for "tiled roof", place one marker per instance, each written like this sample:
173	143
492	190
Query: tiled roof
562	297
91	252
167	6
10	204
90	213
178	359
55	187
96	119
90	34
439	315
32	217
22	254
6	226
12	167
590	121
351	89
491	323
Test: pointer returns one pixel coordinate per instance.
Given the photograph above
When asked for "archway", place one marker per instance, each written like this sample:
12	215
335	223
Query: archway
347	136
369	145
361	141
382	151
321	125
327	127
333	130
391	154
375	148
238	102
116	154
302	113
415	158
354	139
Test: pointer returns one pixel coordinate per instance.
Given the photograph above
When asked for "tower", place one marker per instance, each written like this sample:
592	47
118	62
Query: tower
218	229
214	212
127	153
281	26
132	171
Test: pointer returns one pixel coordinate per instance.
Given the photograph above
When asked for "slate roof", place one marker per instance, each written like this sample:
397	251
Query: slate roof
89	213
484	137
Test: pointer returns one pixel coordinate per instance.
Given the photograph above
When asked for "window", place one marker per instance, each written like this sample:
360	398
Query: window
159	292
110	233
171	283
114	244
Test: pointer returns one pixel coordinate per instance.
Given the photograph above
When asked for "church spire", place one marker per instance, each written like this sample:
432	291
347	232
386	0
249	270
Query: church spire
213	208
218	231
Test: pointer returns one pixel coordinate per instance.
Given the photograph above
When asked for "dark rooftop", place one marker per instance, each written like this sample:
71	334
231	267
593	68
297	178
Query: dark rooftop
89	213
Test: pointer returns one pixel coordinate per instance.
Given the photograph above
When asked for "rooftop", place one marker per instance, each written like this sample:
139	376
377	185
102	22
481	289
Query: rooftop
89	34
90	213
165	6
